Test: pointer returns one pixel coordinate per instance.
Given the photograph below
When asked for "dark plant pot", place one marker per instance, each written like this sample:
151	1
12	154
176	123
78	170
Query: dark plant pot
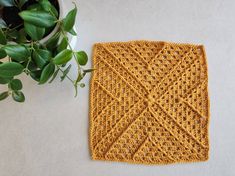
12	19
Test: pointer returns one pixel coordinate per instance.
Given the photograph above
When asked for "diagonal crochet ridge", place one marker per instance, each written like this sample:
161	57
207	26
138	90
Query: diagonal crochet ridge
149	103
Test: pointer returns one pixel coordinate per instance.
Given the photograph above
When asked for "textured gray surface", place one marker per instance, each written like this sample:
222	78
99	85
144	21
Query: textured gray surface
47	135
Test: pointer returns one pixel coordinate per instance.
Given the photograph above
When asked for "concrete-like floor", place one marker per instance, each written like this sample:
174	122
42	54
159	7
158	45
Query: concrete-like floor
48	134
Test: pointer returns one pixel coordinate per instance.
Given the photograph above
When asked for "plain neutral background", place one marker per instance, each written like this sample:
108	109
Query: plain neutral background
48	134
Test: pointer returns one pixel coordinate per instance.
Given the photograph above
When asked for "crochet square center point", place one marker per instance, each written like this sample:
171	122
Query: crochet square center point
149	102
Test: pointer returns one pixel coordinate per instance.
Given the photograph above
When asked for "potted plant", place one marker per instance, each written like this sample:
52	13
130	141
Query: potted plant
34	39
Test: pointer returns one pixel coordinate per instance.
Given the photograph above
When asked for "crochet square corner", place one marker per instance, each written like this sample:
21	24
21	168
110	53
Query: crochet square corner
149	103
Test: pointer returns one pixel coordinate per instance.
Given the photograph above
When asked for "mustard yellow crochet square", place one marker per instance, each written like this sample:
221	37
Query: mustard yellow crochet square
149	103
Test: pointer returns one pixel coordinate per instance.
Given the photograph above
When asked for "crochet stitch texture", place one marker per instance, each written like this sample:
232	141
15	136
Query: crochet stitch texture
149	103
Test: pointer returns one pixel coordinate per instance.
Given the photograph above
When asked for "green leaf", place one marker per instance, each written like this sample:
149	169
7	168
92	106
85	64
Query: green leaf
72	31
82	85
18	96
65	72
35	32
2	23
35	7
41	57
7	3
79	78
13	34
69	20
36	75
10	69
46	5
54	75
22	2
3	53
53	41
54	11
3	95
31	65
17	52
63	65
82	57
3	39
15	84
38	18
47	73
4	80
63	57
88	70
63	44
21	37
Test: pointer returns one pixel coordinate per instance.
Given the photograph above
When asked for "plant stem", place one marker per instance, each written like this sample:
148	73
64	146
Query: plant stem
75	86
15	27
75	57
27	71
70	47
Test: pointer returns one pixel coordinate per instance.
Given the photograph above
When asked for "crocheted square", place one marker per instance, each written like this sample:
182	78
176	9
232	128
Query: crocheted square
149	103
